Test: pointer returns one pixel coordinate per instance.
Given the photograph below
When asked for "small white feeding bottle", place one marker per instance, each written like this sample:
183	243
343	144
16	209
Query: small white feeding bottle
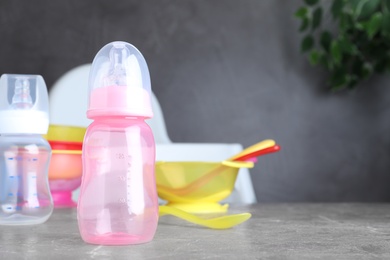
24	154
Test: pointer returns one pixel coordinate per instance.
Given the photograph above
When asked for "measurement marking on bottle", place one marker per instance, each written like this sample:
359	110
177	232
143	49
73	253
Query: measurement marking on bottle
37	207
11	176
120	156
9	207
35	159
10	158
10	194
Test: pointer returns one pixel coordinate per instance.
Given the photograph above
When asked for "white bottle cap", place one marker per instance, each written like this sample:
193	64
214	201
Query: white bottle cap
24	104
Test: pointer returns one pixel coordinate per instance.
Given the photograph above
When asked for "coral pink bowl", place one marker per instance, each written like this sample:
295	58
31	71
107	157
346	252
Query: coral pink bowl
65	172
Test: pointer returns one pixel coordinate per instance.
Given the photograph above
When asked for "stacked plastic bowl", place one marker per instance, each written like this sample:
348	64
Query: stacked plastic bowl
65	168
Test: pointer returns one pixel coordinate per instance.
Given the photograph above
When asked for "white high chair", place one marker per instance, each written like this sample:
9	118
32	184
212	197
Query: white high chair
68	105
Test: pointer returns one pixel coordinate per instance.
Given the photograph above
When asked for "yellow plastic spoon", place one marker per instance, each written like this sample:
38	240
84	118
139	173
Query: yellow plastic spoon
224	222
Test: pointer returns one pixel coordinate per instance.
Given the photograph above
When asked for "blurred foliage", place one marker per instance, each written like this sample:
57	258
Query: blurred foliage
355	47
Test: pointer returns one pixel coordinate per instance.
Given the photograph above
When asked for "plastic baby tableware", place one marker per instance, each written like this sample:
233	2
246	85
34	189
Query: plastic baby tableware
64	174
197	187
65	168
253	150
223	222
252	156
65	133
261	148
203	180
204	197
24	191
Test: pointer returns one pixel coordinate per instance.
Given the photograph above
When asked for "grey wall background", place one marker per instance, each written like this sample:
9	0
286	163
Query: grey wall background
224	71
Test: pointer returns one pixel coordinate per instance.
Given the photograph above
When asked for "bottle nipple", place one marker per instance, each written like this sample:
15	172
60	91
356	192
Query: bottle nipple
22	98
117	72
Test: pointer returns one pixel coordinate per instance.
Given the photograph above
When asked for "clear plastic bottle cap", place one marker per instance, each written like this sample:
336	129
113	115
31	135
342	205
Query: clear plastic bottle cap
24	104
119	83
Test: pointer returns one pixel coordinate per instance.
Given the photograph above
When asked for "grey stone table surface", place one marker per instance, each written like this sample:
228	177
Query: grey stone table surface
275	231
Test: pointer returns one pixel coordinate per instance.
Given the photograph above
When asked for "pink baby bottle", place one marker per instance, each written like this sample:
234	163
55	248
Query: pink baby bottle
118	203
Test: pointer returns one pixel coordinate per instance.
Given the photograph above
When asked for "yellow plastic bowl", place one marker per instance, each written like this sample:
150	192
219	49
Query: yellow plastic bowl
197	187
65	133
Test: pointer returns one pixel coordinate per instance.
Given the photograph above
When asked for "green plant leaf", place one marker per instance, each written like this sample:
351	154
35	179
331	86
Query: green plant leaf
311	2
301	13
347	46
314	57
360	25
353	80
365	8
317	17
339	79
325	40
361	69
373	25
323	60
353	49
335	50
337	8
387	4
346	23
356	65
367	70
304	24
385	29
369	8
355	5
307	43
